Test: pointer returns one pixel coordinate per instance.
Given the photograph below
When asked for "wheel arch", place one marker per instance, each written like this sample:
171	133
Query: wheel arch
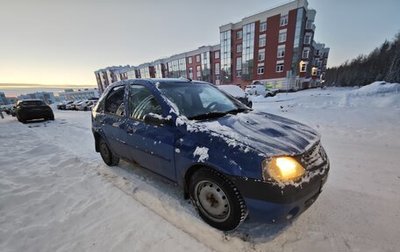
97	137
192	169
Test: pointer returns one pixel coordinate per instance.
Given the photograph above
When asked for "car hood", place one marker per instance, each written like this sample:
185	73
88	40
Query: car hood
269	134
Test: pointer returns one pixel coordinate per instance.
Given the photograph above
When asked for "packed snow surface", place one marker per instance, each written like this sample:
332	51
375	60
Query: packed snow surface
57	195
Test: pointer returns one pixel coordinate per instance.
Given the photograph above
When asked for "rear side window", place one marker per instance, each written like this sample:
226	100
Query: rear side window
142	102
114	102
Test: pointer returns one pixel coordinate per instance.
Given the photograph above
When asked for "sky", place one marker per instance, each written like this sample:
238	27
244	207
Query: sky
62	42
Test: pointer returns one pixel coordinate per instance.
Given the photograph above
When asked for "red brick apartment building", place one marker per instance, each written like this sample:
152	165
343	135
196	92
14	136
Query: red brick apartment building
275	47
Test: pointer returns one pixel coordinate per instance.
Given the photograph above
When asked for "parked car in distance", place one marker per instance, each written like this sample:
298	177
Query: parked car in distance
238	93
86	105
7	108
230	160
33	109
259	89
63	105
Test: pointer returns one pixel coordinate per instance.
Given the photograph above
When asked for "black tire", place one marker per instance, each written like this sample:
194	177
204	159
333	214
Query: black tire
211	191
250	105
20	119
106	154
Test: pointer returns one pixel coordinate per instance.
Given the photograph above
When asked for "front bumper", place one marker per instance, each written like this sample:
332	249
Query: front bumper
270	203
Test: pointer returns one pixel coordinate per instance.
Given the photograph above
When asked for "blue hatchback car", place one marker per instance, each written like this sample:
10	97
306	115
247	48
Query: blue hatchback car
231	161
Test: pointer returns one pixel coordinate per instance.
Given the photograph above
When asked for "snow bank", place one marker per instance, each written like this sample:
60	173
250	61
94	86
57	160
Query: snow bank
377	87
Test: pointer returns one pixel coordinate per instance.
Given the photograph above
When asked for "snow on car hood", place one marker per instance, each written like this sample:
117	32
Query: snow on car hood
269	134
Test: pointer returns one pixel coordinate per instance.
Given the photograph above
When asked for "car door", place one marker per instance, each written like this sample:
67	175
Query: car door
114	118
152	146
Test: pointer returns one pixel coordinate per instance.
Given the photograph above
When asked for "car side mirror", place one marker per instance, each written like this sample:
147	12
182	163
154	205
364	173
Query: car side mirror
157	120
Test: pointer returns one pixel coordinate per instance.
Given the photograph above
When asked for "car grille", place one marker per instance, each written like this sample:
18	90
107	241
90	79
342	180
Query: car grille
314	158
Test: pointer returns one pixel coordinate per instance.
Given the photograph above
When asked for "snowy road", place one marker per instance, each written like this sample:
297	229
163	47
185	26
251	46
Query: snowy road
56	193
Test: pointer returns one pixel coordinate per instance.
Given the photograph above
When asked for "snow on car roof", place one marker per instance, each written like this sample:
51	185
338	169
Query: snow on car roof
232	90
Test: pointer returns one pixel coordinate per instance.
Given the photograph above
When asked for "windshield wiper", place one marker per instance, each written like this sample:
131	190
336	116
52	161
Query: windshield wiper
208	115
237	110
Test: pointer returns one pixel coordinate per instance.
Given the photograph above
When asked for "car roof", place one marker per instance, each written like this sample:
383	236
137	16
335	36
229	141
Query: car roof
30	100
154	81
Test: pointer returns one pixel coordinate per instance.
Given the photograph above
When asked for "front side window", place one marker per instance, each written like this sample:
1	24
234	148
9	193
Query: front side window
197	99
114	103
142	102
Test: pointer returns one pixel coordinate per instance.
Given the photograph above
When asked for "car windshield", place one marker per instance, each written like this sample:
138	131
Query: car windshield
199	100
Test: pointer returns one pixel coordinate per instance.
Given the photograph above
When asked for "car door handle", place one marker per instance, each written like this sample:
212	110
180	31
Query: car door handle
129	130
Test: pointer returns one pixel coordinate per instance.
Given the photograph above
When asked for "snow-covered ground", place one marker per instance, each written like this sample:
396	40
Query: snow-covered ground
56	193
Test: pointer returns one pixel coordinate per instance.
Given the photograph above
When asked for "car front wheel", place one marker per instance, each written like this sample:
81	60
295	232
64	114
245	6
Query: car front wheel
106	154
217	199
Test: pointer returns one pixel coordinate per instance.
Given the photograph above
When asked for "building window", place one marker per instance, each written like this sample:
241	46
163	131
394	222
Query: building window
306	53
190	60
314	71
239	63
261	54
303	66
307	39
262	41
284	20
190	72
263	26
216	55
239	48
281	51
279	68
225	41
198	72
239	34
309	24
248	51
216	67
260	70
197	58
282	36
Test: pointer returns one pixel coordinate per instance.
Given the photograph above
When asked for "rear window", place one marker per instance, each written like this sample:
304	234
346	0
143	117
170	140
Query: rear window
32	103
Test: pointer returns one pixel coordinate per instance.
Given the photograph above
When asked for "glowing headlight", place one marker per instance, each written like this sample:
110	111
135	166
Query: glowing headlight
284	169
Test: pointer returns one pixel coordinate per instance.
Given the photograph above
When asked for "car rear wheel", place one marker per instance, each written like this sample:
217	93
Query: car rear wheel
217	199
106	154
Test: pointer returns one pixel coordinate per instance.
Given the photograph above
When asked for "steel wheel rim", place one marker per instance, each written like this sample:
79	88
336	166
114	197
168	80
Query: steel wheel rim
212	201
